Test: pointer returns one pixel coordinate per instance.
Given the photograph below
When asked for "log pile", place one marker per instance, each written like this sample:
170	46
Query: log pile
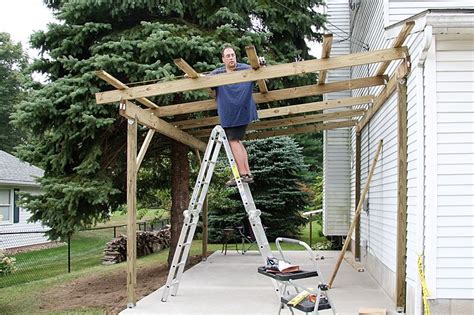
147	242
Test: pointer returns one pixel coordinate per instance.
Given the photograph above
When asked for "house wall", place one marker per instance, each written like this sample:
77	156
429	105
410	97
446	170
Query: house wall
379	218
19	240
454	169
336	200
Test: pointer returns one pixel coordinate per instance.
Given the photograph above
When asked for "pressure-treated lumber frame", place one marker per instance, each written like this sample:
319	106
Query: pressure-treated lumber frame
152	117
326	51
282	111
268	72
276	95
254	62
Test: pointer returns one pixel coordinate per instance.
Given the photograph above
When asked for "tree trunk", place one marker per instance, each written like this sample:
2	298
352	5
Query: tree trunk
179	191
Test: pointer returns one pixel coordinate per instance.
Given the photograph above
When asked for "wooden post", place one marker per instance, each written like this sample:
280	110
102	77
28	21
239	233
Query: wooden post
402	195
204	218
357	194
131	212
356	214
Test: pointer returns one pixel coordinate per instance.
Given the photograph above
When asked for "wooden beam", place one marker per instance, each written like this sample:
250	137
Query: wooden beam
296	120
281	111
128	109
144	147
121	86
131	212
269	72
358	141
398	42
402	195
253	58
356	215
276	95
186	68
402	70
327	45
297	130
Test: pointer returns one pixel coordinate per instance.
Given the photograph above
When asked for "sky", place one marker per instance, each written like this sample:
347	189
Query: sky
21	18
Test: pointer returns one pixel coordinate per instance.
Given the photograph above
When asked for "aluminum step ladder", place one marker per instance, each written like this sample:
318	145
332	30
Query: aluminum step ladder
191	215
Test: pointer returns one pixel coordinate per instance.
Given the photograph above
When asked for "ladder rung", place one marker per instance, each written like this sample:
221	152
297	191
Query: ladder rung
187	244
175	282
181	263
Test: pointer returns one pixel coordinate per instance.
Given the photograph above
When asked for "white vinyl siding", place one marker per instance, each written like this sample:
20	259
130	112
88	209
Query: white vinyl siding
379	223
19	240
337	159
400	10
455	167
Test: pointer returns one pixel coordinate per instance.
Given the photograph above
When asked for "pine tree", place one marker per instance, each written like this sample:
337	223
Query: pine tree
13	85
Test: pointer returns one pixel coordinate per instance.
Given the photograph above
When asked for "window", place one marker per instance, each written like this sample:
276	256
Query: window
5	206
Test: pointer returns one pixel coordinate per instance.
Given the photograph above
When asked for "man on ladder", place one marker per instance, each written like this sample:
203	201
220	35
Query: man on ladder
236	109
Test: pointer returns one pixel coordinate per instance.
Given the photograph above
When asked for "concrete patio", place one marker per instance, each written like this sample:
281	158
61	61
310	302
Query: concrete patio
229	284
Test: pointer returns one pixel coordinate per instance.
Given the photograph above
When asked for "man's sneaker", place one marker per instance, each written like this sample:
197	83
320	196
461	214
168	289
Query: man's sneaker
231	183
247	178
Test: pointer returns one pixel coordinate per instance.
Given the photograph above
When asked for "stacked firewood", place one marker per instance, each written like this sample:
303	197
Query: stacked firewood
147	243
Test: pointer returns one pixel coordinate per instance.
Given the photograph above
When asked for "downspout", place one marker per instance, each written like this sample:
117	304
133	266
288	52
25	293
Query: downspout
420	233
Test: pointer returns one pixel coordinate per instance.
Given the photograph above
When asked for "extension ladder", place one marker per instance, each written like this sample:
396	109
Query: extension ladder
191	215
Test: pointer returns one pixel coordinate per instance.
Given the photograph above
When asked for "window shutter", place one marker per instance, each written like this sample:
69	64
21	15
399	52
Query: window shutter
16	207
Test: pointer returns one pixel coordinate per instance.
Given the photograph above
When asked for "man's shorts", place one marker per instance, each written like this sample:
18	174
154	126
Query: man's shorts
235	133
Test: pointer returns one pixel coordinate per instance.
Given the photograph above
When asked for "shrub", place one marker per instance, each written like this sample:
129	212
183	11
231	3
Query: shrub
7	264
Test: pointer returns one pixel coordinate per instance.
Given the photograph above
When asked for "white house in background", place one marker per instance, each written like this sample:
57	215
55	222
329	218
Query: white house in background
15	177
440	183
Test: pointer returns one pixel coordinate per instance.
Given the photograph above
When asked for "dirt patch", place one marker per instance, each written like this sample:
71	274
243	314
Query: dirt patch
107	292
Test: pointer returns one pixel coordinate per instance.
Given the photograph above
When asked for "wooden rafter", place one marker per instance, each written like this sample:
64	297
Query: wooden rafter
402	70
281	111
144	117
121	86
253	59
295	120
327	45
398	42
303	129
276	95
186	68
268	72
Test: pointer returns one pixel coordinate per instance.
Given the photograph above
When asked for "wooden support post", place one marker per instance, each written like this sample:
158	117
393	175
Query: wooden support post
357	193
131	212
144	147
402	195
356	214
205	225
253	59
327	44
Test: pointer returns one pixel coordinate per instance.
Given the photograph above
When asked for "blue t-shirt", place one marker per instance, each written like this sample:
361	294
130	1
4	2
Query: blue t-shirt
235	104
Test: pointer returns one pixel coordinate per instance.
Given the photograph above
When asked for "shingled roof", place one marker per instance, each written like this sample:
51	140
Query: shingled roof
15	171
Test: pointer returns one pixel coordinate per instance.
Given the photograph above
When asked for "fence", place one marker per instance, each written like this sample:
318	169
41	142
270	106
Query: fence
82	250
